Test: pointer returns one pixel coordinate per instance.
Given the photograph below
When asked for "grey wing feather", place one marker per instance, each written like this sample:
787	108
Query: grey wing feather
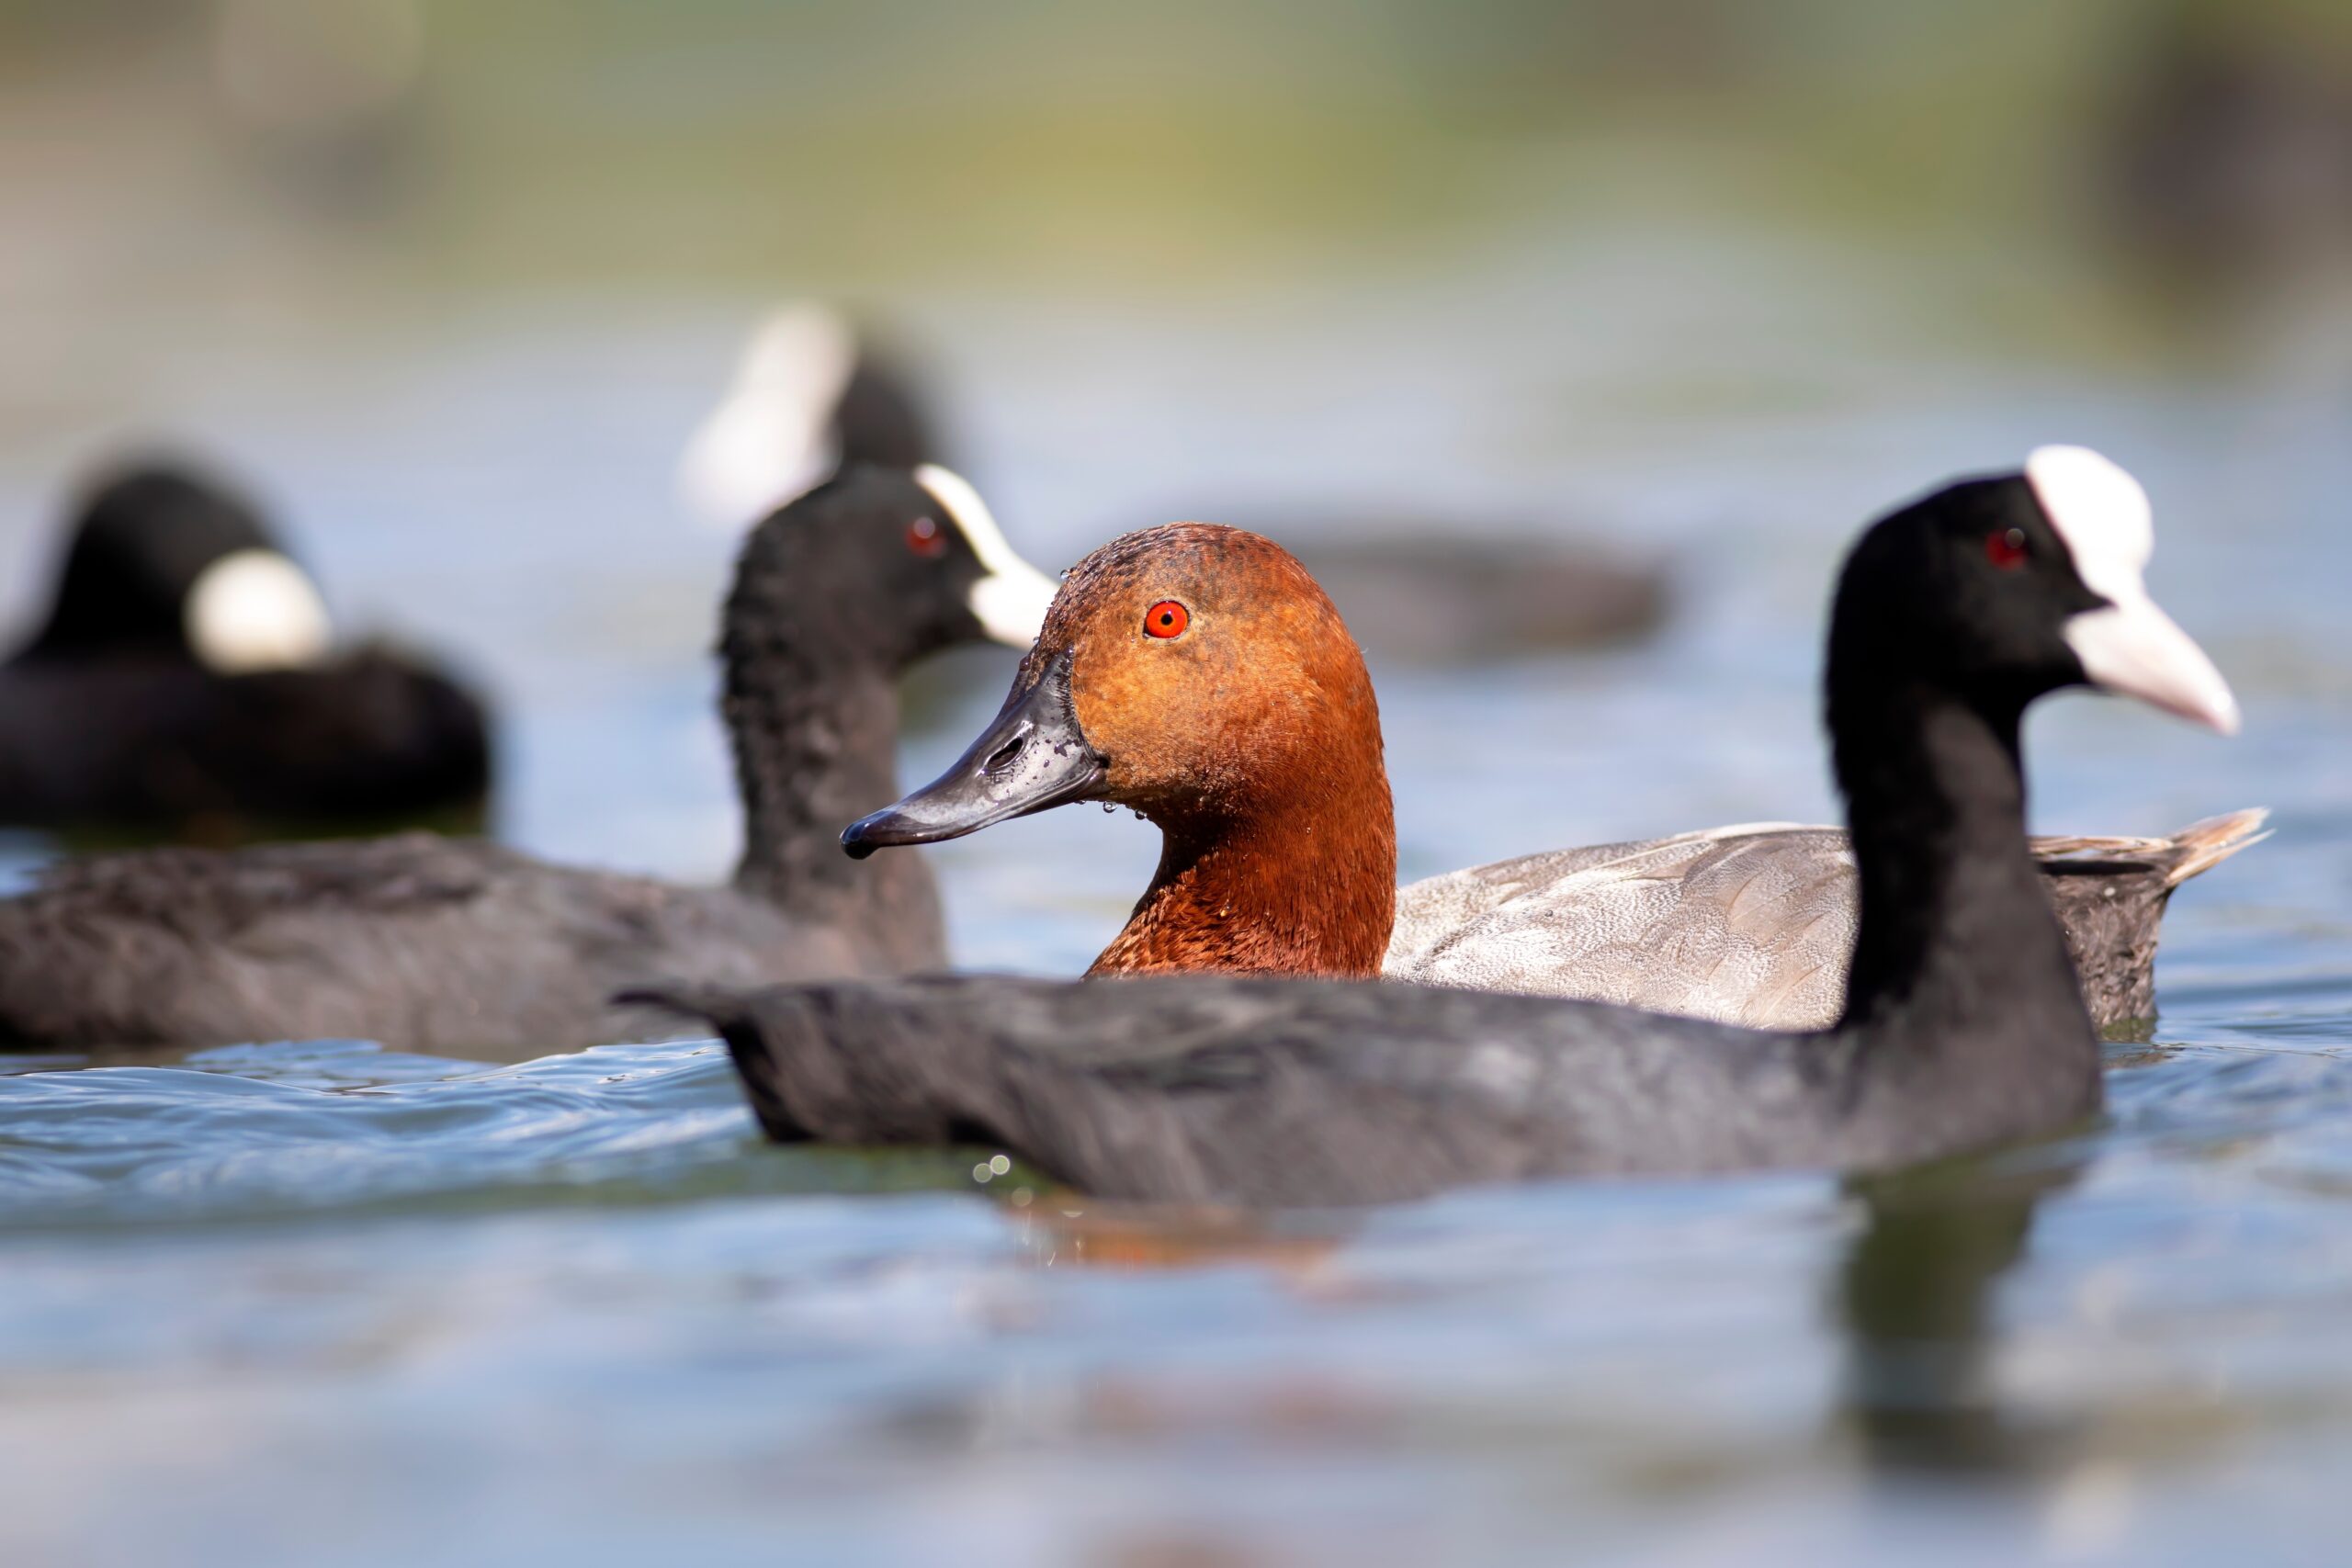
1745	925
1754	925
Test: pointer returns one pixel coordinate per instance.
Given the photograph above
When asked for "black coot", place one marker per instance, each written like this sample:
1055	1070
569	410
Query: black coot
183	683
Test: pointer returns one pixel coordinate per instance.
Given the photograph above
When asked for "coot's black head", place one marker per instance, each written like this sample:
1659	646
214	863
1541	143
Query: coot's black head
811	395
880	417
166	561
2000	589
883	566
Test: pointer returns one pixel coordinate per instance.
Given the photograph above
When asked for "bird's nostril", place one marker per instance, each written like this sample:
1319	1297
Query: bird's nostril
1002	758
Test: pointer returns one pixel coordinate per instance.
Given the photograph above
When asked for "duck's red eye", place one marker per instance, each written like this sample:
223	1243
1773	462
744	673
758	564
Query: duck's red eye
926	538
1167	618
2006	550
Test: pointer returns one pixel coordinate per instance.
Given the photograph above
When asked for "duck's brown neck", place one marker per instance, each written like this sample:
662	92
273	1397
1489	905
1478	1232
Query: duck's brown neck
1293	891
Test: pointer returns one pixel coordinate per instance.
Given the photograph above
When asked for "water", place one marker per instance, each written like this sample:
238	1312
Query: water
293	1302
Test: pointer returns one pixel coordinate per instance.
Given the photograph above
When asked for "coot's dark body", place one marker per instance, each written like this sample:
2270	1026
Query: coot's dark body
423	943
159	746
1211	1089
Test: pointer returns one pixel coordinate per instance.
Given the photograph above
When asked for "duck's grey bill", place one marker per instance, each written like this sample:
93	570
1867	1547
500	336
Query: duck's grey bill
1031	758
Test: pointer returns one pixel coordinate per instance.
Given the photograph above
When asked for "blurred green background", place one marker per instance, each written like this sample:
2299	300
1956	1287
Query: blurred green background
2045	171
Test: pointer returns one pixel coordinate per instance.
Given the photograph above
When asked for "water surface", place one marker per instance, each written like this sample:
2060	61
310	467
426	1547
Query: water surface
283	1302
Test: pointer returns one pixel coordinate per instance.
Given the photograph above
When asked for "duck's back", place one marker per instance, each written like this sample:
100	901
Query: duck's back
1754	925
1747	925
423	942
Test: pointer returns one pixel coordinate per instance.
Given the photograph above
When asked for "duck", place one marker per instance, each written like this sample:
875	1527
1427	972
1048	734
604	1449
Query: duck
1963	1025
1430	588
1252	738
185	683
464	947
1195	673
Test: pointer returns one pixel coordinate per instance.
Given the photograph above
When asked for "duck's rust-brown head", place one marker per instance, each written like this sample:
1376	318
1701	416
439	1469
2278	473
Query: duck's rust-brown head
1199	675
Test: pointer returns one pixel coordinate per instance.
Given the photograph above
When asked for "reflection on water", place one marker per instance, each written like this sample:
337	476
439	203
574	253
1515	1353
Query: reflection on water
270	1131
1918	1290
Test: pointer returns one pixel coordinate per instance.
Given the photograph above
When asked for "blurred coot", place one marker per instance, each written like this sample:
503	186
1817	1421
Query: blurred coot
811	395
1430	592
1432	588
183	683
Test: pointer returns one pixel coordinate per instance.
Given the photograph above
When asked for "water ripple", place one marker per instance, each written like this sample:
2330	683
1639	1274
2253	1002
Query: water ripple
269	1130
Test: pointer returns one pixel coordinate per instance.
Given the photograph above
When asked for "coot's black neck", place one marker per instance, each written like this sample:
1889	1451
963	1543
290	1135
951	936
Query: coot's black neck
1957	938
812	710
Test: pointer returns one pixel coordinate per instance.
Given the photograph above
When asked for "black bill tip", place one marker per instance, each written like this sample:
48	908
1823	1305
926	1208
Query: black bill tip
1033	757
881	829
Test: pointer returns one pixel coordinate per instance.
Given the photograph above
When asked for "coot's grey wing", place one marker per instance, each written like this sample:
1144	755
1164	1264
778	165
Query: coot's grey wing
1751	925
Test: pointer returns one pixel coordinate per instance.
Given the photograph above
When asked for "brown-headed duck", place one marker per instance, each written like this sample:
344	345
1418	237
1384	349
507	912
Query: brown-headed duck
1196	674
428	943
1962	1027
185	683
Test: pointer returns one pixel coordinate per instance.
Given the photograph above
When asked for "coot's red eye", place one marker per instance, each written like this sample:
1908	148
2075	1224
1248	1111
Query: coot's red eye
2006	550
926	538
1167	618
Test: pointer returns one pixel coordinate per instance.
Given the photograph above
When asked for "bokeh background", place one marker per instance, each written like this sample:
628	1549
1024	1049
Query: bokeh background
450	285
